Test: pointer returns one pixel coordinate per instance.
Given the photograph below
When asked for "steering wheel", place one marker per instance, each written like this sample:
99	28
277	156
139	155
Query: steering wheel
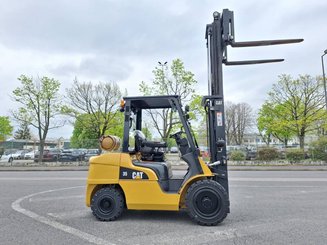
176	135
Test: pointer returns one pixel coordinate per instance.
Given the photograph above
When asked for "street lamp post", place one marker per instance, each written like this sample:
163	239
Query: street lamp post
323	76
163	64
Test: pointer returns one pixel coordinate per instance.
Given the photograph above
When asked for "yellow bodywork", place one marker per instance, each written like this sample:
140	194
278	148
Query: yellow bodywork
141	194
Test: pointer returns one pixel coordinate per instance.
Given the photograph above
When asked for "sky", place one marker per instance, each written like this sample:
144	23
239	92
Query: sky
122	42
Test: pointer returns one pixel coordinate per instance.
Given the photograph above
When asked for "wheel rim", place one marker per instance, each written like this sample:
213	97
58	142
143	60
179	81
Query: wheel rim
207	203
106	205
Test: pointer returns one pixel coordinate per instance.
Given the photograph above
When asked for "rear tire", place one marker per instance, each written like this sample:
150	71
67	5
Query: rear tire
207	202
107	204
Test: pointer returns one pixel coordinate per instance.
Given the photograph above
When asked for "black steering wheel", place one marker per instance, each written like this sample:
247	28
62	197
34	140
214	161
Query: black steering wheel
176	135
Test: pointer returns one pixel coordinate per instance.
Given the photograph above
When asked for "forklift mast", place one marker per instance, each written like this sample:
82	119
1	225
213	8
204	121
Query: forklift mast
220	34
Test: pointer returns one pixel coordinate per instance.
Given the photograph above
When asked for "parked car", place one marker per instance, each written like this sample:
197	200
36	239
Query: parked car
69	155
79	154
173	149
20	154
66	155
91	153
51	155
30	155
250	153
7	157
16	154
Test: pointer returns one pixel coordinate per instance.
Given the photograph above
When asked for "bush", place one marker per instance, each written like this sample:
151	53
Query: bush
267	154
295	155
318	149
237	156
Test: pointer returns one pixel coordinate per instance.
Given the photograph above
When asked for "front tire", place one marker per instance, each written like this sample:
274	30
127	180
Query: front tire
207	202
107	204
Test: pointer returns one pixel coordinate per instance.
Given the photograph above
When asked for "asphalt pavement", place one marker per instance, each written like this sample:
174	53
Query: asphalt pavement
267	207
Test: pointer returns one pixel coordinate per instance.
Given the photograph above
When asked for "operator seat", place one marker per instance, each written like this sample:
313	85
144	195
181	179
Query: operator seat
150	150
152	156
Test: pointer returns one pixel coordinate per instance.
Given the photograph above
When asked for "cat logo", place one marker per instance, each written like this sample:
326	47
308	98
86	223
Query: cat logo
127	173
137	175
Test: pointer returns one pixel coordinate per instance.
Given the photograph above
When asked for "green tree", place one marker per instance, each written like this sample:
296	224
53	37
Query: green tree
5	127
197	111
95	108
299	104
272	121
40	105
173	81
86	136
23	132
198	116
318	149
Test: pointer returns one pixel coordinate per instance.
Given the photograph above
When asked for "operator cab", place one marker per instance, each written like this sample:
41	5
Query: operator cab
151	154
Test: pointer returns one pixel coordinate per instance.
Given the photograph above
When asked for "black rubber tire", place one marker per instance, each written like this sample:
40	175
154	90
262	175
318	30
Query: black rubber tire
207	202
107	204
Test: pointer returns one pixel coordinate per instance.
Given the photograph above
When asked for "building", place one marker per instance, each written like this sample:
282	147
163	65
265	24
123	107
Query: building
33	144
255	140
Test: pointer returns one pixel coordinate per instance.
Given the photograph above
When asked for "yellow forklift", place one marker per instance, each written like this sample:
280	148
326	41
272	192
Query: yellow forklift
138	177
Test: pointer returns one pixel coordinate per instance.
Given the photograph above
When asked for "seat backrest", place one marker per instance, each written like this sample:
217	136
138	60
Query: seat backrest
139	139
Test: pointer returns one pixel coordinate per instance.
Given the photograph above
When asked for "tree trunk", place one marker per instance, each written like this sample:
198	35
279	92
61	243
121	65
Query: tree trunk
285	142
301	139
41	151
